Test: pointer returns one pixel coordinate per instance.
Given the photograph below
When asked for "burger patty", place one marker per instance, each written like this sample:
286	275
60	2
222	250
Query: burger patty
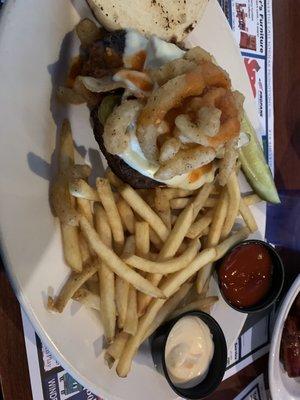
116	164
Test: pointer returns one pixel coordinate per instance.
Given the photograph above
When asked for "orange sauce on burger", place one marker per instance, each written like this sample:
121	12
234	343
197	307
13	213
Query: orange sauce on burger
199	172
139	79
136	61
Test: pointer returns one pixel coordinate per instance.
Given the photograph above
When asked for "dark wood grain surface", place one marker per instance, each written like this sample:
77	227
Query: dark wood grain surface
14	376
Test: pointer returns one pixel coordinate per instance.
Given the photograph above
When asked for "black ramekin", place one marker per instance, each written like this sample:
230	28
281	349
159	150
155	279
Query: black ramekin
276	283
217	366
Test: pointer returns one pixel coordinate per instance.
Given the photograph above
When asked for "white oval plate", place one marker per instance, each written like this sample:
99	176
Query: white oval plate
281	385
36	43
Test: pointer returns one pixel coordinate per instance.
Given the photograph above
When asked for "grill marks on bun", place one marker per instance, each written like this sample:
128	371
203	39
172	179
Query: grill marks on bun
168	19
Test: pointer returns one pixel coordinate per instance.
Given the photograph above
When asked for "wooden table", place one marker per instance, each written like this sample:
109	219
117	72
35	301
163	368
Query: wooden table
16	386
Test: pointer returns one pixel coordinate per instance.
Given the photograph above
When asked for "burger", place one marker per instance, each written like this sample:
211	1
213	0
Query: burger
161	114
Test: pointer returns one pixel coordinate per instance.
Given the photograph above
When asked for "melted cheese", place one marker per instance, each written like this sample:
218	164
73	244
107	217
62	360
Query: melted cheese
160	52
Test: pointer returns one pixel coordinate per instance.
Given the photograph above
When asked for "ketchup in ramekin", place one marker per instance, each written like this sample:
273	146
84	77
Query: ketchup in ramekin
246	275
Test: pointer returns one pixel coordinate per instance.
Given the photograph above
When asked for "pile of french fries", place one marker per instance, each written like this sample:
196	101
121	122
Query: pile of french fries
140	257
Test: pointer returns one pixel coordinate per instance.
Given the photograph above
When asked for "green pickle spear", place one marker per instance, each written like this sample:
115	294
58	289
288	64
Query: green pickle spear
255	166
106	107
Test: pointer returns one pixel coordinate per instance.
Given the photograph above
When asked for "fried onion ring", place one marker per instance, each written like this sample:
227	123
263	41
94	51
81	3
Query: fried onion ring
227	163
150	140
208	125
197	55
229	130
171	70
185	161
171	95
169	149
210	99
115	134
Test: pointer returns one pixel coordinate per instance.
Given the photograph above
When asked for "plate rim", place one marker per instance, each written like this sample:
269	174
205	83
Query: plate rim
282	314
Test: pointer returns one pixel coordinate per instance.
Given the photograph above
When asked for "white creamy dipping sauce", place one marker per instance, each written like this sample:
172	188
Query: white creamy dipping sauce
189	351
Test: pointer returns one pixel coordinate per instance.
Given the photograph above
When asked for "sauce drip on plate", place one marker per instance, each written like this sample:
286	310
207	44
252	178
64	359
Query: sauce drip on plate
245	275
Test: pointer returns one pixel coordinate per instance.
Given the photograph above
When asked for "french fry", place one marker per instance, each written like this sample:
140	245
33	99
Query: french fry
127	216
167	309
84	208
66	148
80	188
142	238
166	217
182	248
204	292
87	298
94	278
114	351
234	203
204	221
106	277
122	286
174	281
204	232
219	217
161	200
201	198
170	286
173	193
79	171
198	305
142	241
129	247
231	241
164	195
149	198
111	259
113	179
60	200
252	199
247	216
155	240
71	247
176	236
107	198
169	249
84	248
122	290
131	322
180	203
102	225
200	225
74	282
144	211
173	219
166	267
93	285
213	237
